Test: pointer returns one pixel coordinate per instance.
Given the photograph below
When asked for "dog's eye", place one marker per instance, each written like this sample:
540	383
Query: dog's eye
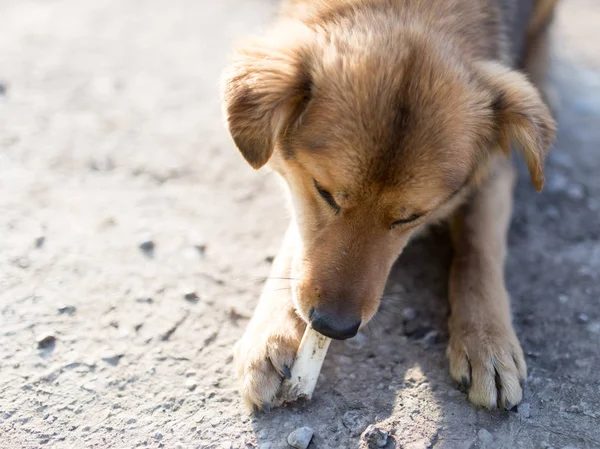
328	197
402	221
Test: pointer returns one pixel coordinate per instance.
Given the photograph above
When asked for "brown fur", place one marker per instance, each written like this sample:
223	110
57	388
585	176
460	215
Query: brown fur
399	108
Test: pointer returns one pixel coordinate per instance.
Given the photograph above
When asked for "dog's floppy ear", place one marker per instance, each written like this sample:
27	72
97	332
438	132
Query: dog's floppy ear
264	91
521	116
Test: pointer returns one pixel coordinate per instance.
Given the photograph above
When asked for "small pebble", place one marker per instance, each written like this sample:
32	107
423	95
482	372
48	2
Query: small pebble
191	384
582	318
131	421
147	245
67	310
145	299
354	422
191	297
39	241
269	259
46	342
300	438
201	248
158	436
375	437
112	359
89	387
2	89
432	338
484	436
524	410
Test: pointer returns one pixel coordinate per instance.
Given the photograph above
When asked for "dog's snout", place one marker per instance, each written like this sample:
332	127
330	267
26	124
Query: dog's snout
333	326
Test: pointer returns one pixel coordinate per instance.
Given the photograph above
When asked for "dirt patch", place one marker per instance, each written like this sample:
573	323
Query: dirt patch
134	241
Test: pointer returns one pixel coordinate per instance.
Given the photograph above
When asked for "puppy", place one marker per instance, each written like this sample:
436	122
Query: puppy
382	116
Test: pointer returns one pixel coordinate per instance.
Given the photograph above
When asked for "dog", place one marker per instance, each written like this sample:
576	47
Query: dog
381	117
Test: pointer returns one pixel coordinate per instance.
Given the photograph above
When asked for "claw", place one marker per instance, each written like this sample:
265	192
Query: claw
465	383
287	372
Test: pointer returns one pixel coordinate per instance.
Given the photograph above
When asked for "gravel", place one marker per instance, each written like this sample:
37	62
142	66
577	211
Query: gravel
112	358
355	422
300	438
374	437
46	342
191	297
66	310
524	410
484	436
147	245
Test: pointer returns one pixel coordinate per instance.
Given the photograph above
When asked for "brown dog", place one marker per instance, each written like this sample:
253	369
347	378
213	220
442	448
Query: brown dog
382	116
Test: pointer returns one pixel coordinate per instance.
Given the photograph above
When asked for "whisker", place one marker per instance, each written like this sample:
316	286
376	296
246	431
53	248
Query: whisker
281	279
393	293
278	289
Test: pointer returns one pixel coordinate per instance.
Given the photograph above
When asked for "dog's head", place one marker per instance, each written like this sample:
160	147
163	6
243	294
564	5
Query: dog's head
373	139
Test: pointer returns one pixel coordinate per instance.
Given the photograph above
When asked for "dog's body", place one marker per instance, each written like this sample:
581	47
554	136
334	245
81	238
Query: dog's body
383	116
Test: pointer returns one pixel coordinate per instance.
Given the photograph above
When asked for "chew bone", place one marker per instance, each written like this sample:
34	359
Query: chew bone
306	368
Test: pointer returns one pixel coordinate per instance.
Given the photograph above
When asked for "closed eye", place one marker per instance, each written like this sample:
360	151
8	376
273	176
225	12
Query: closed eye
402	221
328	197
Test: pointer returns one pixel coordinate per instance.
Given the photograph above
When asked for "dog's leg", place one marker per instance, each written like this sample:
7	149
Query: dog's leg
266	351
484	352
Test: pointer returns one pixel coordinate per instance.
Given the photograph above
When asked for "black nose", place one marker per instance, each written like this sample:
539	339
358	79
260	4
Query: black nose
334	327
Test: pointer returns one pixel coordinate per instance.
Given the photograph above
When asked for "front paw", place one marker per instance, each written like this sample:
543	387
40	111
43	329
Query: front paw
487	360
263	357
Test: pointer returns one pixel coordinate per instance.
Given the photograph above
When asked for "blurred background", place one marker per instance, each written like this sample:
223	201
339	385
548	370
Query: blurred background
134	241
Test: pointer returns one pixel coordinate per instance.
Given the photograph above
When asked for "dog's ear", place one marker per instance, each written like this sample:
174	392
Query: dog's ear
264	91
521	117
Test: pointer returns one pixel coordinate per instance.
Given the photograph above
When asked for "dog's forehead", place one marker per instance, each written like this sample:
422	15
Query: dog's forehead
389	156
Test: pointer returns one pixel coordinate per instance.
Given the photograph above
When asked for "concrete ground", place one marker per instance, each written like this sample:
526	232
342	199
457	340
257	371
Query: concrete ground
133	240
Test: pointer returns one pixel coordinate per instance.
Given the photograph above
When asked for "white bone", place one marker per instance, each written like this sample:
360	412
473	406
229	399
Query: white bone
306	368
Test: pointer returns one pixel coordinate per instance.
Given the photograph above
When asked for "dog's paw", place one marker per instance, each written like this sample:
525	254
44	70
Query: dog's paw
262	359
488	362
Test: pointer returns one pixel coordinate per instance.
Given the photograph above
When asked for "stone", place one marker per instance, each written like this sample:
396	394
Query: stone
112	359
484	436
582	318
66	310
39	241
46	342
354	422
191	297
191	384
374	437
300	438
147	245
524	410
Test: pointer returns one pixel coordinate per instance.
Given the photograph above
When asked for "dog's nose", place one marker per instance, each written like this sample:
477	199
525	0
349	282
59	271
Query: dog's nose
334	327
